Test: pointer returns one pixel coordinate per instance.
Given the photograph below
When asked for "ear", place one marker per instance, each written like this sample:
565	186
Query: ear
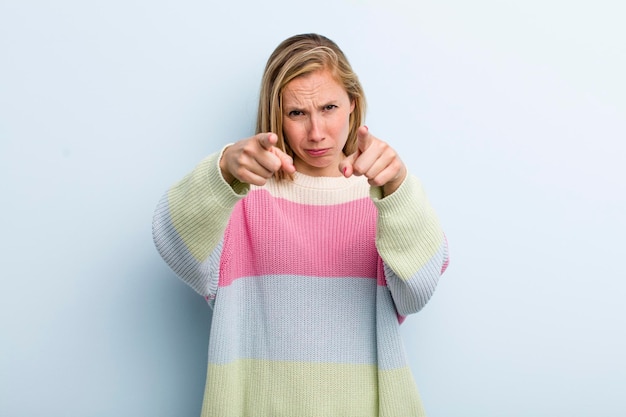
352	105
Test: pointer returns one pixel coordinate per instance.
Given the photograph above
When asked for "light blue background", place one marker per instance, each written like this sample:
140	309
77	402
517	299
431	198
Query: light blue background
512	112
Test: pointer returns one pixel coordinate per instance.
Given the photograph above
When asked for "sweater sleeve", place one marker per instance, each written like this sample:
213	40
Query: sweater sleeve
189	223
412	245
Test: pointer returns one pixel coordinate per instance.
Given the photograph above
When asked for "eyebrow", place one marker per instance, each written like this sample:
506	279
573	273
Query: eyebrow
299	108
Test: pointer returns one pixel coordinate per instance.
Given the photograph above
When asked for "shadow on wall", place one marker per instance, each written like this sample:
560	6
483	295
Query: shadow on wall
178	321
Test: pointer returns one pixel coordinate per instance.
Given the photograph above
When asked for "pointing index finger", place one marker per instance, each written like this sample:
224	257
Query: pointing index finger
267	140
364	139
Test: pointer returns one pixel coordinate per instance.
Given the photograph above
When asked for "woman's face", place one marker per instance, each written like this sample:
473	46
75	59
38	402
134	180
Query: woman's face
316	120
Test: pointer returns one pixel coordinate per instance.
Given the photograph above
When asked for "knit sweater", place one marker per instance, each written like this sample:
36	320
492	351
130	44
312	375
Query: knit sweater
309	281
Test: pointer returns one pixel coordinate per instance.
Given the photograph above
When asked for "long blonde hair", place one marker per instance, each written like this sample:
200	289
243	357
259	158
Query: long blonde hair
297	56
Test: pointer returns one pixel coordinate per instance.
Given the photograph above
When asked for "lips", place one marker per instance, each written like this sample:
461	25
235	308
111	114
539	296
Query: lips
317	152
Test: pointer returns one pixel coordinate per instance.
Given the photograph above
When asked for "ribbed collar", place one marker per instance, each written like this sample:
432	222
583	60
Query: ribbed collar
325	183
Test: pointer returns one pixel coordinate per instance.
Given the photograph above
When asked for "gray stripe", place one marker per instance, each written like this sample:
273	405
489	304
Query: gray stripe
411	296
201	276
391	353
295	318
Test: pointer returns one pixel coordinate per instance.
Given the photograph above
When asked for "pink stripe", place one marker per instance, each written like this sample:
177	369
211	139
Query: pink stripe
445	266
447	260
267	236
382	281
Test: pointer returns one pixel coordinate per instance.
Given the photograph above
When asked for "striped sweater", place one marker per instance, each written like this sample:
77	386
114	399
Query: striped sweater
309	281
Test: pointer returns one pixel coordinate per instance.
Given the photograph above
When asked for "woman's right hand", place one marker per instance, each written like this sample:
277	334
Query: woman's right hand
254	160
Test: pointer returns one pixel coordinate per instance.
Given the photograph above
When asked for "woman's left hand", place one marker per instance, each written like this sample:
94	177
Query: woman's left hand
375	159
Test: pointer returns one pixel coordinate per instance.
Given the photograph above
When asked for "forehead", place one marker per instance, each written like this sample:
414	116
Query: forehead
317	85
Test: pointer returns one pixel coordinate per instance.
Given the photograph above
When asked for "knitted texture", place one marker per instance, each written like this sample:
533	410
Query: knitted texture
309	280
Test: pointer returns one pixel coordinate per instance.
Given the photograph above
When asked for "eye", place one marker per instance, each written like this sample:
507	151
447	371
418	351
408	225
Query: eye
295	113
330	107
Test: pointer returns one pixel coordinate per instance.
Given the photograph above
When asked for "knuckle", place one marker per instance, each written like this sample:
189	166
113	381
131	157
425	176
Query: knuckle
240	172
275	166
358	167
375	182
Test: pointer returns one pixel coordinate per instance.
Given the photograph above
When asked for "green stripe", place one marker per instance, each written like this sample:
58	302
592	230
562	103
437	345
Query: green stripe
200	206
409	233
262	388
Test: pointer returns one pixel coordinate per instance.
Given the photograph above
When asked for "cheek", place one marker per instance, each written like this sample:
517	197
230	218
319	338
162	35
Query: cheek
343	125
292	132
287	130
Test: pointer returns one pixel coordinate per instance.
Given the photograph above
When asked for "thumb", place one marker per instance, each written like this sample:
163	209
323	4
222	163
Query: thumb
286	161
347	163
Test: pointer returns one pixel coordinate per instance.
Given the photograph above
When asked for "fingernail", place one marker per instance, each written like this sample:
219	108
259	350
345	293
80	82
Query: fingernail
344	171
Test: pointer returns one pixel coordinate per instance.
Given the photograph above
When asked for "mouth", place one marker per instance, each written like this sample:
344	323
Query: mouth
317	152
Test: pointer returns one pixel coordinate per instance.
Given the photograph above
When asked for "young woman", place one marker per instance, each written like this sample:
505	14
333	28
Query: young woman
311	242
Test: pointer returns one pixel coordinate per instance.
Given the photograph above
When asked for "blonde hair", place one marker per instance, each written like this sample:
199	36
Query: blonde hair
297	56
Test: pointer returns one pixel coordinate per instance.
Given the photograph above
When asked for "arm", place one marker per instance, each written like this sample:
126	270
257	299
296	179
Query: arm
411	243
408	237
190	220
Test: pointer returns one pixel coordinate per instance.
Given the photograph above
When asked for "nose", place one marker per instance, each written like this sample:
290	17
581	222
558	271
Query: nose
316	131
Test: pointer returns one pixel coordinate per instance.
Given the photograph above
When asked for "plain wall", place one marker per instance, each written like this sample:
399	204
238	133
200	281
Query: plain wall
513	113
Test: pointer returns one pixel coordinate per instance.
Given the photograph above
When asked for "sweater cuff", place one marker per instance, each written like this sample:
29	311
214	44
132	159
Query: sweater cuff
396	203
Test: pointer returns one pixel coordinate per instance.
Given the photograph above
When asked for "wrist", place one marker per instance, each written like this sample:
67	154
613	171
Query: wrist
393	185
228	177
